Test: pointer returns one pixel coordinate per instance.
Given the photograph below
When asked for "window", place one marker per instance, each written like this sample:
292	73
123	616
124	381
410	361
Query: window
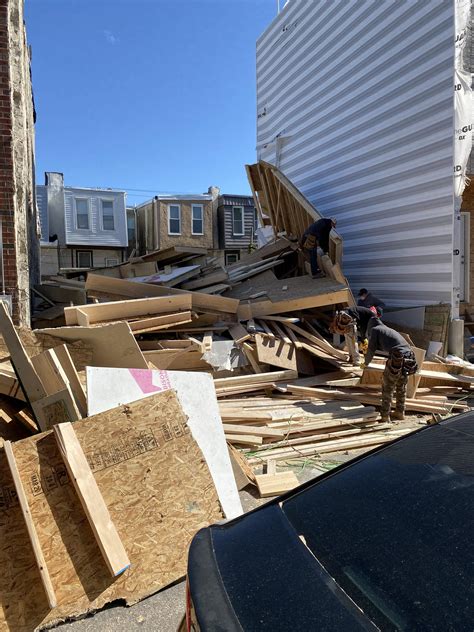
108	219
82	213
231	257
238	220
111	262
174	219
83	258
197	219
131	230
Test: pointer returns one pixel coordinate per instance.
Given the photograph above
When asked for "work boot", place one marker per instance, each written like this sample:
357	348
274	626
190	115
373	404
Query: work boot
317	275
397	415
384	419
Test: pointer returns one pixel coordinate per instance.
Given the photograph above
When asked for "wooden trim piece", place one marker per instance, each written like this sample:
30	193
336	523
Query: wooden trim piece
25	509
133	289
55	409
91	499
63	357
122	310
29	379
160	322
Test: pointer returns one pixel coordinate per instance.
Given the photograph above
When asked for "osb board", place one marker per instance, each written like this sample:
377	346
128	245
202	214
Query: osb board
113	344
159	492
81	352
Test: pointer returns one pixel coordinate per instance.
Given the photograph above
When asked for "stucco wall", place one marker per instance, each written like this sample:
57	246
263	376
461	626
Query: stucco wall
186	238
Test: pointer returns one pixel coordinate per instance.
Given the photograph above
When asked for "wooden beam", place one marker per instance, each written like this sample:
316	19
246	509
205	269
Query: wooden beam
91	499
123	310
30	527
276	484
27	375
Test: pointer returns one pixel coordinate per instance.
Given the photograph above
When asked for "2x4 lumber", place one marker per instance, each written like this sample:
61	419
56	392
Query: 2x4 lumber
160	322
9	385
30	526
132	289
27	375
120	310
266	329
209	279
244	380
276	484
244	439
61	355
280	333
24	417
251	357
318	341
207	341
92	501
257	431
239	333
267	308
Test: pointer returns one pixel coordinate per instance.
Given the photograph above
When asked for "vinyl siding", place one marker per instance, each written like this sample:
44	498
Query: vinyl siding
95	235
355	106
228	239
42	202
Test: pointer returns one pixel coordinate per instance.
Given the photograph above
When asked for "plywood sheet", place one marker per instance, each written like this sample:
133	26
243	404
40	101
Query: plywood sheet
107	388
159	492
113	344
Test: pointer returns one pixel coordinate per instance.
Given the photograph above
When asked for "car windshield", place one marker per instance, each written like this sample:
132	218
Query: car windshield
395	530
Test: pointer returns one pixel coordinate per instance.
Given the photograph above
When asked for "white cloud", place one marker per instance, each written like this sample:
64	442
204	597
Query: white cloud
110	37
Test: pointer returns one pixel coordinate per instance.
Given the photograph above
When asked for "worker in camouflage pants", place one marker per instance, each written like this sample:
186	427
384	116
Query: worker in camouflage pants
400	365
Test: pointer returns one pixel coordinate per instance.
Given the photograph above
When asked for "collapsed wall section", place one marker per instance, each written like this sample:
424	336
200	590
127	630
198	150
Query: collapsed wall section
355	106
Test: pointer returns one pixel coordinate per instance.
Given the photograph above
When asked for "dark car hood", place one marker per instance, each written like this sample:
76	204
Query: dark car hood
257	574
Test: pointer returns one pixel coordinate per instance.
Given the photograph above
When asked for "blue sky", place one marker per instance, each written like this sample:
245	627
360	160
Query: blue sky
156	95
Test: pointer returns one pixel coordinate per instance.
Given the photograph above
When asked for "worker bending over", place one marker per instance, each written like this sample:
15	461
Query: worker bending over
317	235
400	364
351	323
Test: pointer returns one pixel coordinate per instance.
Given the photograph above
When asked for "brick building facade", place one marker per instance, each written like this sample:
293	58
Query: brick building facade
18	213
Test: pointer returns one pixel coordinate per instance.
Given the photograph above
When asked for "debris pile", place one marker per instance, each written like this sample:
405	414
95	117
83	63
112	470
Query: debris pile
170	383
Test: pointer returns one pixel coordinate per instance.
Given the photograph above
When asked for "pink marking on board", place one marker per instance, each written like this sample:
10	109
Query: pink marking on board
144	379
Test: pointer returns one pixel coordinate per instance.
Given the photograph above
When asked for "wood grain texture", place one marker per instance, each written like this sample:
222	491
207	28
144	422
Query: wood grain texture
157	488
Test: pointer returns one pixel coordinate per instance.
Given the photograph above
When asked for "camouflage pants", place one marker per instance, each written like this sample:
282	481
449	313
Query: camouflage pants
393	382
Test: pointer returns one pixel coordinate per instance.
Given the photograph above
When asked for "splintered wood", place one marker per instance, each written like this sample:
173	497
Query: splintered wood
156	486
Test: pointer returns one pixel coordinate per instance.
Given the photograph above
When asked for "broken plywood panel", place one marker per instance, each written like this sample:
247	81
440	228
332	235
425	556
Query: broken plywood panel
112	344
159	492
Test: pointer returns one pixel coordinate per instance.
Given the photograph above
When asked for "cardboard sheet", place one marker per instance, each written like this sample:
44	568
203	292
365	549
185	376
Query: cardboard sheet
107	388
159	492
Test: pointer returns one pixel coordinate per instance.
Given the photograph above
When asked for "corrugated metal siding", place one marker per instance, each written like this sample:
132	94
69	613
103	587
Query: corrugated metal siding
236	241
355	106
95	236
42	203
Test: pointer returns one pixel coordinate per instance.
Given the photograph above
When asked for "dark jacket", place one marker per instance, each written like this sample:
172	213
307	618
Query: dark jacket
370	301
362	316
383	338
320	230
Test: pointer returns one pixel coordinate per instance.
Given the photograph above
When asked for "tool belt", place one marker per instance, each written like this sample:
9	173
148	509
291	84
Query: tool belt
341	323
309	242
402	362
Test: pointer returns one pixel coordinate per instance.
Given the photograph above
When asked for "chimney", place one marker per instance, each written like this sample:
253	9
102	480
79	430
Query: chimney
54	179
214	192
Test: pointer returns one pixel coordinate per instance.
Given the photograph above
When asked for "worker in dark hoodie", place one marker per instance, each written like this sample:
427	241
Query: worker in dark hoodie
366	299
401	363
317	235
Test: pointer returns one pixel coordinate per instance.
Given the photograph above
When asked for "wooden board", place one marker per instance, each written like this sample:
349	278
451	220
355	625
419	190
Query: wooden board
27	375
55	409
276	352
276	484
92	501
113	344
97	283
120	310
156	486
30	526
160	322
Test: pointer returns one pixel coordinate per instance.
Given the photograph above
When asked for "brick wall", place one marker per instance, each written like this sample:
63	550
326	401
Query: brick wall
17	192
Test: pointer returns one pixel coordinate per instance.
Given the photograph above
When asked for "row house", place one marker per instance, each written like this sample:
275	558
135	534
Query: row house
223	224
80	227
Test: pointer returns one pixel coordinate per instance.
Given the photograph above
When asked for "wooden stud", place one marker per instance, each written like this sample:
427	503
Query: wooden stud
91	499
25	509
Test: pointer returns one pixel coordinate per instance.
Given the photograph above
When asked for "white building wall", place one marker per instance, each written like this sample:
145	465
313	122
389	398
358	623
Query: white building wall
95	235
355	106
